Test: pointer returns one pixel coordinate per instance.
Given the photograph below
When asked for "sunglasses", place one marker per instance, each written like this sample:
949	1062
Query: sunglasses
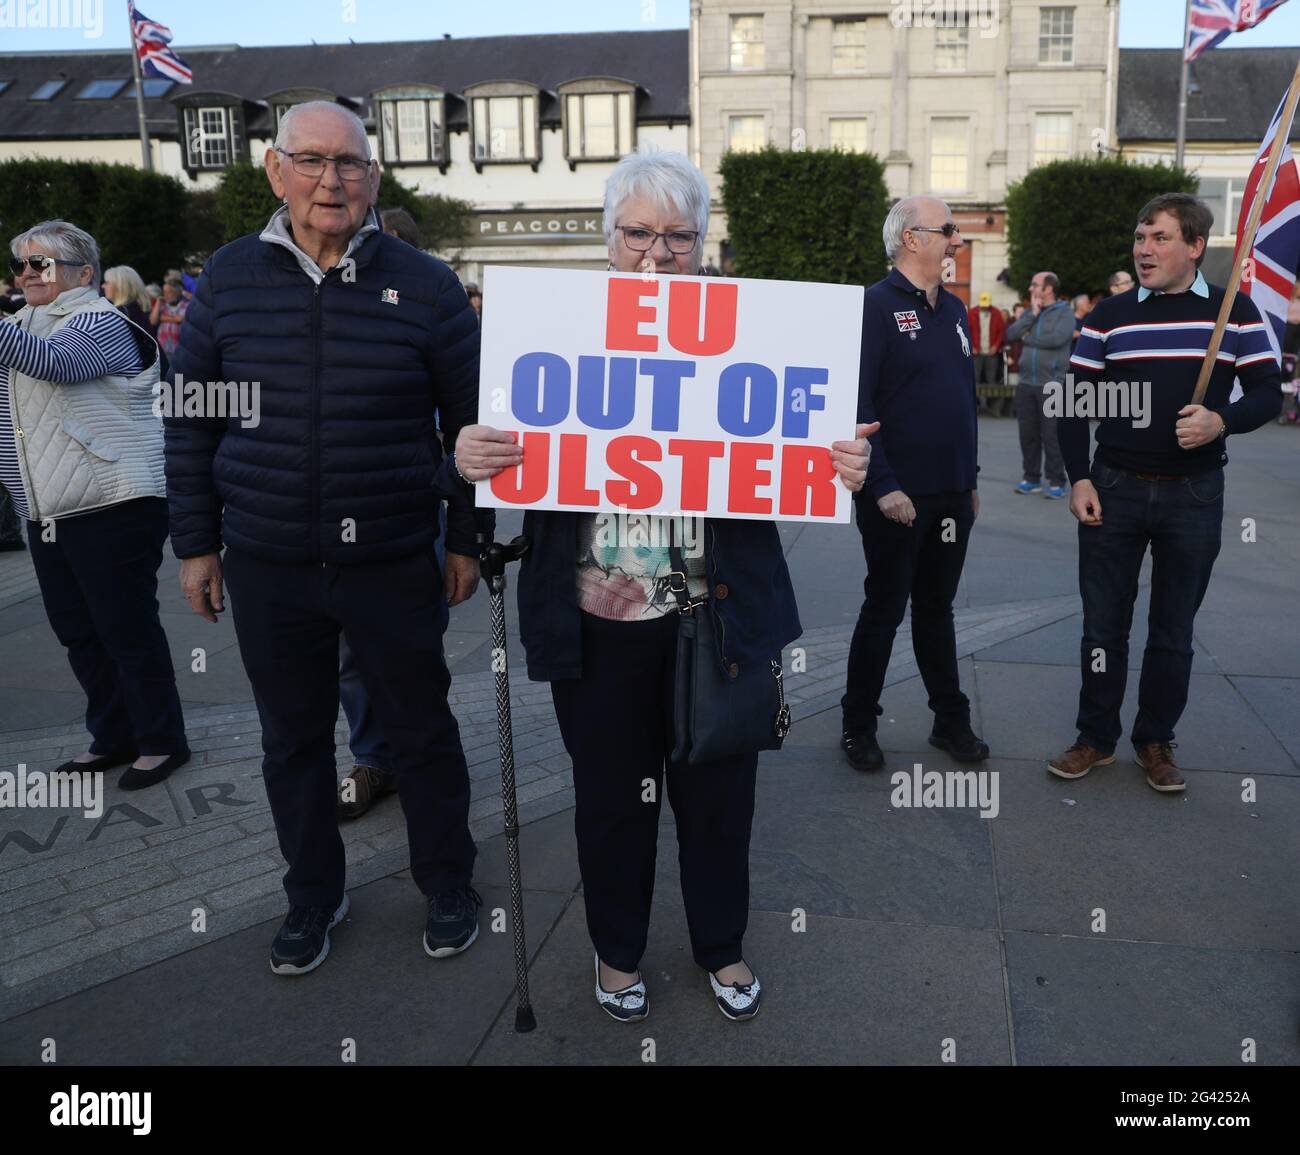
947	228
39	264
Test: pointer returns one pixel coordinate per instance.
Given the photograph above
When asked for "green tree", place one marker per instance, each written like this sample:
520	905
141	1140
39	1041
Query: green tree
1076	217
806	216
137	217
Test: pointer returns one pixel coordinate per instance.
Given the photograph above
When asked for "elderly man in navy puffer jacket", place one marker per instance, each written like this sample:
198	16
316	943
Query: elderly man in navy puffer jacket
323	489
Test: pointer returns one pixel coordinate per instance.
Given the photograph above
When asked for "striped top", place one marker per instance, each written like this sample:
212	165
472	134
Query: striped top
89	346
1153	344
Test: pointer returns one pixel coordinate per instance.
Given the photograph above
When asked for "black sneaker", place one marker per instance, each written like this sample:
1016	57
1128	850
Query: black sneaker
304	939
863	751
453	922
961	742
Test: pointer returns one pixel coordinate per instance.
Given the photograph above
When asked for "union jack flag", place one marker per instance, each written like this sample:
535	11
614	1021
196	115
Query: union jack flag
1210	22
1272	272
151	45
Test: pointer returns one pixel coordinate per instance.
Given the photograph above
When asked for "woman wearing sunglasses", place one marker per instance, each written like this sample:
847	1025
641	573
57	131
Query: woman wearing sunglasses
81	455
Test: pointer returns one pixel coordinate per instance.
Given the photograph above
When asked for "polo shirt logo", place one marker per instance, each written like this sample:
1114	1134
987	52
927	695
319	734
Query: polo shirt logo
907	322
389	296
965	344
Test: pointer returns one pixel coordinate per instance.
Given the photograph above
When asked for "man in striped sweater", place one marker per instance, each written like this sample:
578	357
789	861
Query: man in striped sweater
1158	472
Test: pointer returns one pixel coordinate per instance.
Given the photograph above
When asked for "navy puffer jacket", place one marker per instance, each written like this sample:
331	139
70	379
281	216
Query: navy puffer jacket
349	372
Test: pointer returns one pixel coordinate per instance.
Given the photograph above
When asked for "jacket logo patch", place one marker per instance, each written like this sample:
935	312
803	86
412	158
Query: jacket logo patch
389	296
965	344
907	322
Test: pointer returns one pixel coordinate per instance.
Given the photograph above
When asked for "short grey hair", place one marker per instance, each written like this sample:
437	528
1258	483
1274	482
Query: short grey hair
900	218
63	240
667	179
291	114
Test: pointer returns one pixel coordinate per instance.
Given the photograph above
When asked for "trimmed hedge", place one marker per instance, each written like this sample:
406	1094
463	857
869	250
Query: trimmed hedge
806	216
1076	218
139	218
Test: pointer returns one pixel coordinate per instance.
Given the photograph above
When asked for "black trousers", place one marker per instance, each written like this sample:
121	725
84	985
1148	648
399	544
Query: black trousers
288	619
99	581
922	562
1040	450
616	722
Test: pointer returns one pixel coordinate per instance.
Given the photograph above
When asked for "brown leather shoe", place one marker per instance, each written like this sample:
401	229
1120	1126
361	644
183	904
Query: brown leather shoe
1157	759
1078	760
368	784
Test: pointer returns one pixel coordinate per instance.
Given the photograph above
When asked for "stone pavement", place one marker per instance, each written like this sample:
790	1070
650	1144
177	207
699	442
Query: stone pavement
924	925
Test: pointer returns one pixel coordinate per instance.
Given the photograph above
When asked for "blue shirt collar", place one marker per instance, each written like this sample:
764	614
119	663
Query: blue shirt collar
900	281
1199	287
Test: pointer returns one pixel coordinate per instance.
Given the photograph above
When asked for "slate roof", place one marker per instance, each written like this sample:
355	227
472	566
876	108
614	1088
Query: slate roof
1232	93
654	60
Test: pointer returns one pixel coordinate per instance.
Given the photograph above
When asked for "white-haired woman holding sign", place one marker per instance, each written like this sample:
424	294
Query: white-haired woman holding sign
599	619
81	454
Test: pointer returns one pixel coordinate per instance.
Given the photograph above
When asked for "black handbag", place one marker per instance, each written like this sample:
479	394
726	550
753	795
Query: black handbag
715	716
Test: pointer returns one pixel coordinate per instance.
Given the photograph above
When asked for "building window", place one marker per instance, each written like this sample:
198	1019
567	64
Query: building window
848	133
505	128
152	86
949	154
746	133
49	90
207	137
849	46
1052	133
1056	36
951	48
101	90
410	131
746	43
598	125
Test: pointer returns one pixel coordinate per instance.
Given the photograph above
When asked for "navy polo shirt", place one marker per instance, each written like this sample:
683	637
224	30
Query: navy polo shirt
918	380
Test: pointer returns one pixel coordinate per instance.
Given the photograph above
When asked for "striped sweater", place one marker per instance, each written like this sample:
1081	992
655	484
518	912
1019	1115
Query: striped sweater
1157	345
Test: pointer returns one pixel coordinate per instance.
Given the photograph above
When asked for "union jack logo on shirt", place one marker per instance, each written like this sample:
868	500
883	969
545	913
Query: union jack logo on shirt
907	322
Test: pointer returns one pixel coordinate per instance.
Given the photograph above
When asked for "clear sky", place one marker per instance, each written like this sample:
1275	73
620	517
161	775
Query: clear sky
1143	23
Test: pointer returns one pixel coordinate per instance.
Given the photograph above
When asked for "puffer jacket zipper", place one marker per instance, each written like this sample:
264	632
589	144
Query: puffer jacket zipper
313	428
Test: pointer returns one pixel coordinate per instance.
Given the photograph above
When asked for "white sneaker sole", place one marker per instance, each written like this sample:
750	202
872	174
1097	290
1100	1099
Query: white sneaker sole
290	969
448	951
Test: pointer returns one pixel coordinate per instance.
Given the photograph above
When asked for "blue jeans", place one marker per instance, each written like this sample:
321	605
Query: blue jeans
366	740
1182	521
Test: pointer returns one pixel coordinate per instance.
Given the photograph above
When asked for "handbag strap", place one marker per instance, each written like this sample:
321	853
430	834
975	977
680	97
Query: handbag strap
677	578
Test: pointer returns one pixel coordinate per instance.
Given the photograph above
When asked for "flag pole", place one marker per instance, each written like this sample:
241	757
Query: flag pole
1182	90
146	156
1246	242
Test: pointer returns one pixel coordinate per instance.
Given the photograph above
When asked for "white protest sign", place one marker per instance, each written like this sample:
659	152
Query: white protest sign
670	394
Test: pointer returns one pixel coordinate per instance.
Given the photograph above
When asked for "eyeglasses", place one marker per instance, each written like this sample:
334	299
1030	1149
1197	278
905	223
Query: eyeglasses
313	164
947	228
38	263
643	240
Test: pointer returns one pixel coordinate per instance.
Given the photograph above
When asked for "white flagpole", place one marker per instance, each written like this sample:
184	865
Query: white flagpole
1182	90
146	156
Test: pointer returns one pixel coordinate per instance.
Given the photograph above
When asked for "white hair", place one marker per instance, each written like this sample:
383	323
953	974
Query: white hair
63	240
903	216
667	179
290	115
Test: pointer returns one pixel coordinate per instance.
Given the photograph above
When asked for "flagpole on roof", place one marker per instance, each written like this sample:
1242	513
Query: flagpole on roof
1182	90
146	156
1246	242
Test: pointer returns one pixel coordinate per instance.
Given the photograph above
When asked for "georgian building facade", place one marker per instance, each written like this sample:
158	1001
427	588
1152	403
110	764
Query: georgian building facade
958	98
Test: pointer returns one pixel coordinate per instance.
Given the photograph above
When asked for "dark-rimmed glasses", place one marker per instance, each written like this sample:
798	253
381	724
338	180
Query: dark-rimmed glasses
312	164
38	263
947	228
643	240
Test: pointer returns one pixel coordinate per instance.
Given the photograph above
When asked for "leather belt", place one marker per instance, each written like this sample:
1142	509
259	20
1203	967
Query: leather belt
1156	476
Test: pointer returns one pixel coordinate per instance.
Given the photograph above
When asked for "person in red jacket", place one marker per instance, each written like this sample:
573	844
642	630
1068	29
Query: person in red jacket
987	326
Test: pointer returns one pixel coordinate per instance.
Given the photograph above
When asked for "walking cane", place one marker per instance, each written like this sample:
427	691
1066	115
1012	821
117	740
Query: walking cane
492	564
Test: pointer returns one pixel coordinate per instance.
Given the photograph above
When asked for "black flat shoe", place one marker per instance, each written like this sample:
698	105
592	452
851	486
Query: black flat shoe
133	779
101	762
963	744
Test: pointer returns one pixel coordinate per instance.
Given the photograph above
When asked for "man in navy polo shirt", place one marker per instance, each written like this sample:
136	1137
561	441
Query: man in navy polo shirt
1158	473
916	511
